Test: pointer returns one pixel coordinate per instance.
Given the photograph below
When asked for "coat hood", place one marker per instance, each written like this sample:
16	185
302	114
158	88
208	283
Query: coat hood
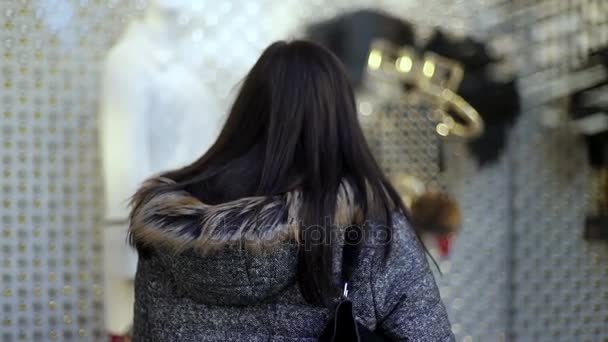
232	253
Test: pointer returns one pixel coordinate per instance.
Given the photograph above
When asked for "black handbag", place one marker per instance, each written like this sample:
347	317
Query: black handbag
343	326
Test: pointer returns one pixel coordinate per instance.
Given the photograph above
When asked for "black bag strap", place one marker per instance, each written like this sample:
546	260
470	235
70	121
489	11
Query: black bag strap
344	325
353	235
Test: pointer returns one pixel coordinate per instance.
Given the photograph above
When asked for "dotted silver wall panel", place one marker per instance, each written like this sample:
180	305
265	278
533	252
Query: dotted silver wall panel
475	280
50	245
403	140
559	281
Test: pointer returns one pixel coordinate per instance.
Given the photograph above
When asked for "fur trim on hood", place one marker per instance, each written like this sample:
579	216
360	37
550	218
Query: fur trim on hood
175	219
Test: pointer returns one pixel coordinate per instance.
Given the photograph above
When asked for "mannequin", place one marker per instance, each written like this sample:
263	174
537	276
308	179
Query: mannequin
156	114
156	111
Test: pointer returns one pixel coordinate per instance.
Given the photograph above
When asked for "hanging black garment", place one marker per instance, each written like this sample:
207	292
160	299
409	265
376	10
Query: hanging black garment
597	150
597	144
498	106
580	108
498	103
349	37
585	107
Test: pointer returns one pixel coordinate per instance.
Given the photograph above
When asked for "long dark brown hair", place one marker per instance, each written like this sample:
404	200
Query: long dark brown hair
294	125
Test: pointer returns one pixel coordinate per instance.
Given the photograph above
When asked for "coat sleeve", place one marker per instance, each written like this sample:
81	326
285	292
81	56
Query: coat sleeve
151	285
407	301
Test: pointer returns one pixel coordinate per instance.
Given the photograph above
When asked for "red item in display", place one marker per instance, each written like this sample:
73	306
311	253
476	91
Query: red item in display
444	242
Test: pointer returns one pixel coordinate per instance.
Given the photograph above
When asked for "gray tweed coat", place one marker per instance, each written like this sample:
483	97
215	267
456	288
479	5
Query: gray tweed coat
227	272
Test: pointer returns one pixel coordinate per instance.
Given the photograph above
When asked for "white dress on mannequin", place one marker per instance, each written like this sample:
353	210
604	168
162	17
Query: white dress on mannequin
157	113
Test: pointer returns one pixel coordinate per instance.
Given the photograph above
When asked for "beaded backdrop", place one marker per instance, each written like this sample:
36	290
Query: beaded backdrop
519	266
559	281
50	245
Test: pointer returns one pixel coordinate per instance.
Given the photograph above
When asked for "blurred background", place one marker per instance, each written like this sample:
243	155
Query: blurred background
491	116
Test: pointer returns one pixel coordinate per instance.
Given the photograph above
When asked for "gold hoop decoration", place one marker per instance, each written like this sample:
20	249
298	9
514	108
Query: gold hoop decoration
447	126
440	78
432	75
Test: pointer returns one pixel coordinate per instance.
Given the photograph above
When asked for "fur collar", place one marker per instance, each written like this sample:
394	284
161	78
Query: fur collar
163	216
